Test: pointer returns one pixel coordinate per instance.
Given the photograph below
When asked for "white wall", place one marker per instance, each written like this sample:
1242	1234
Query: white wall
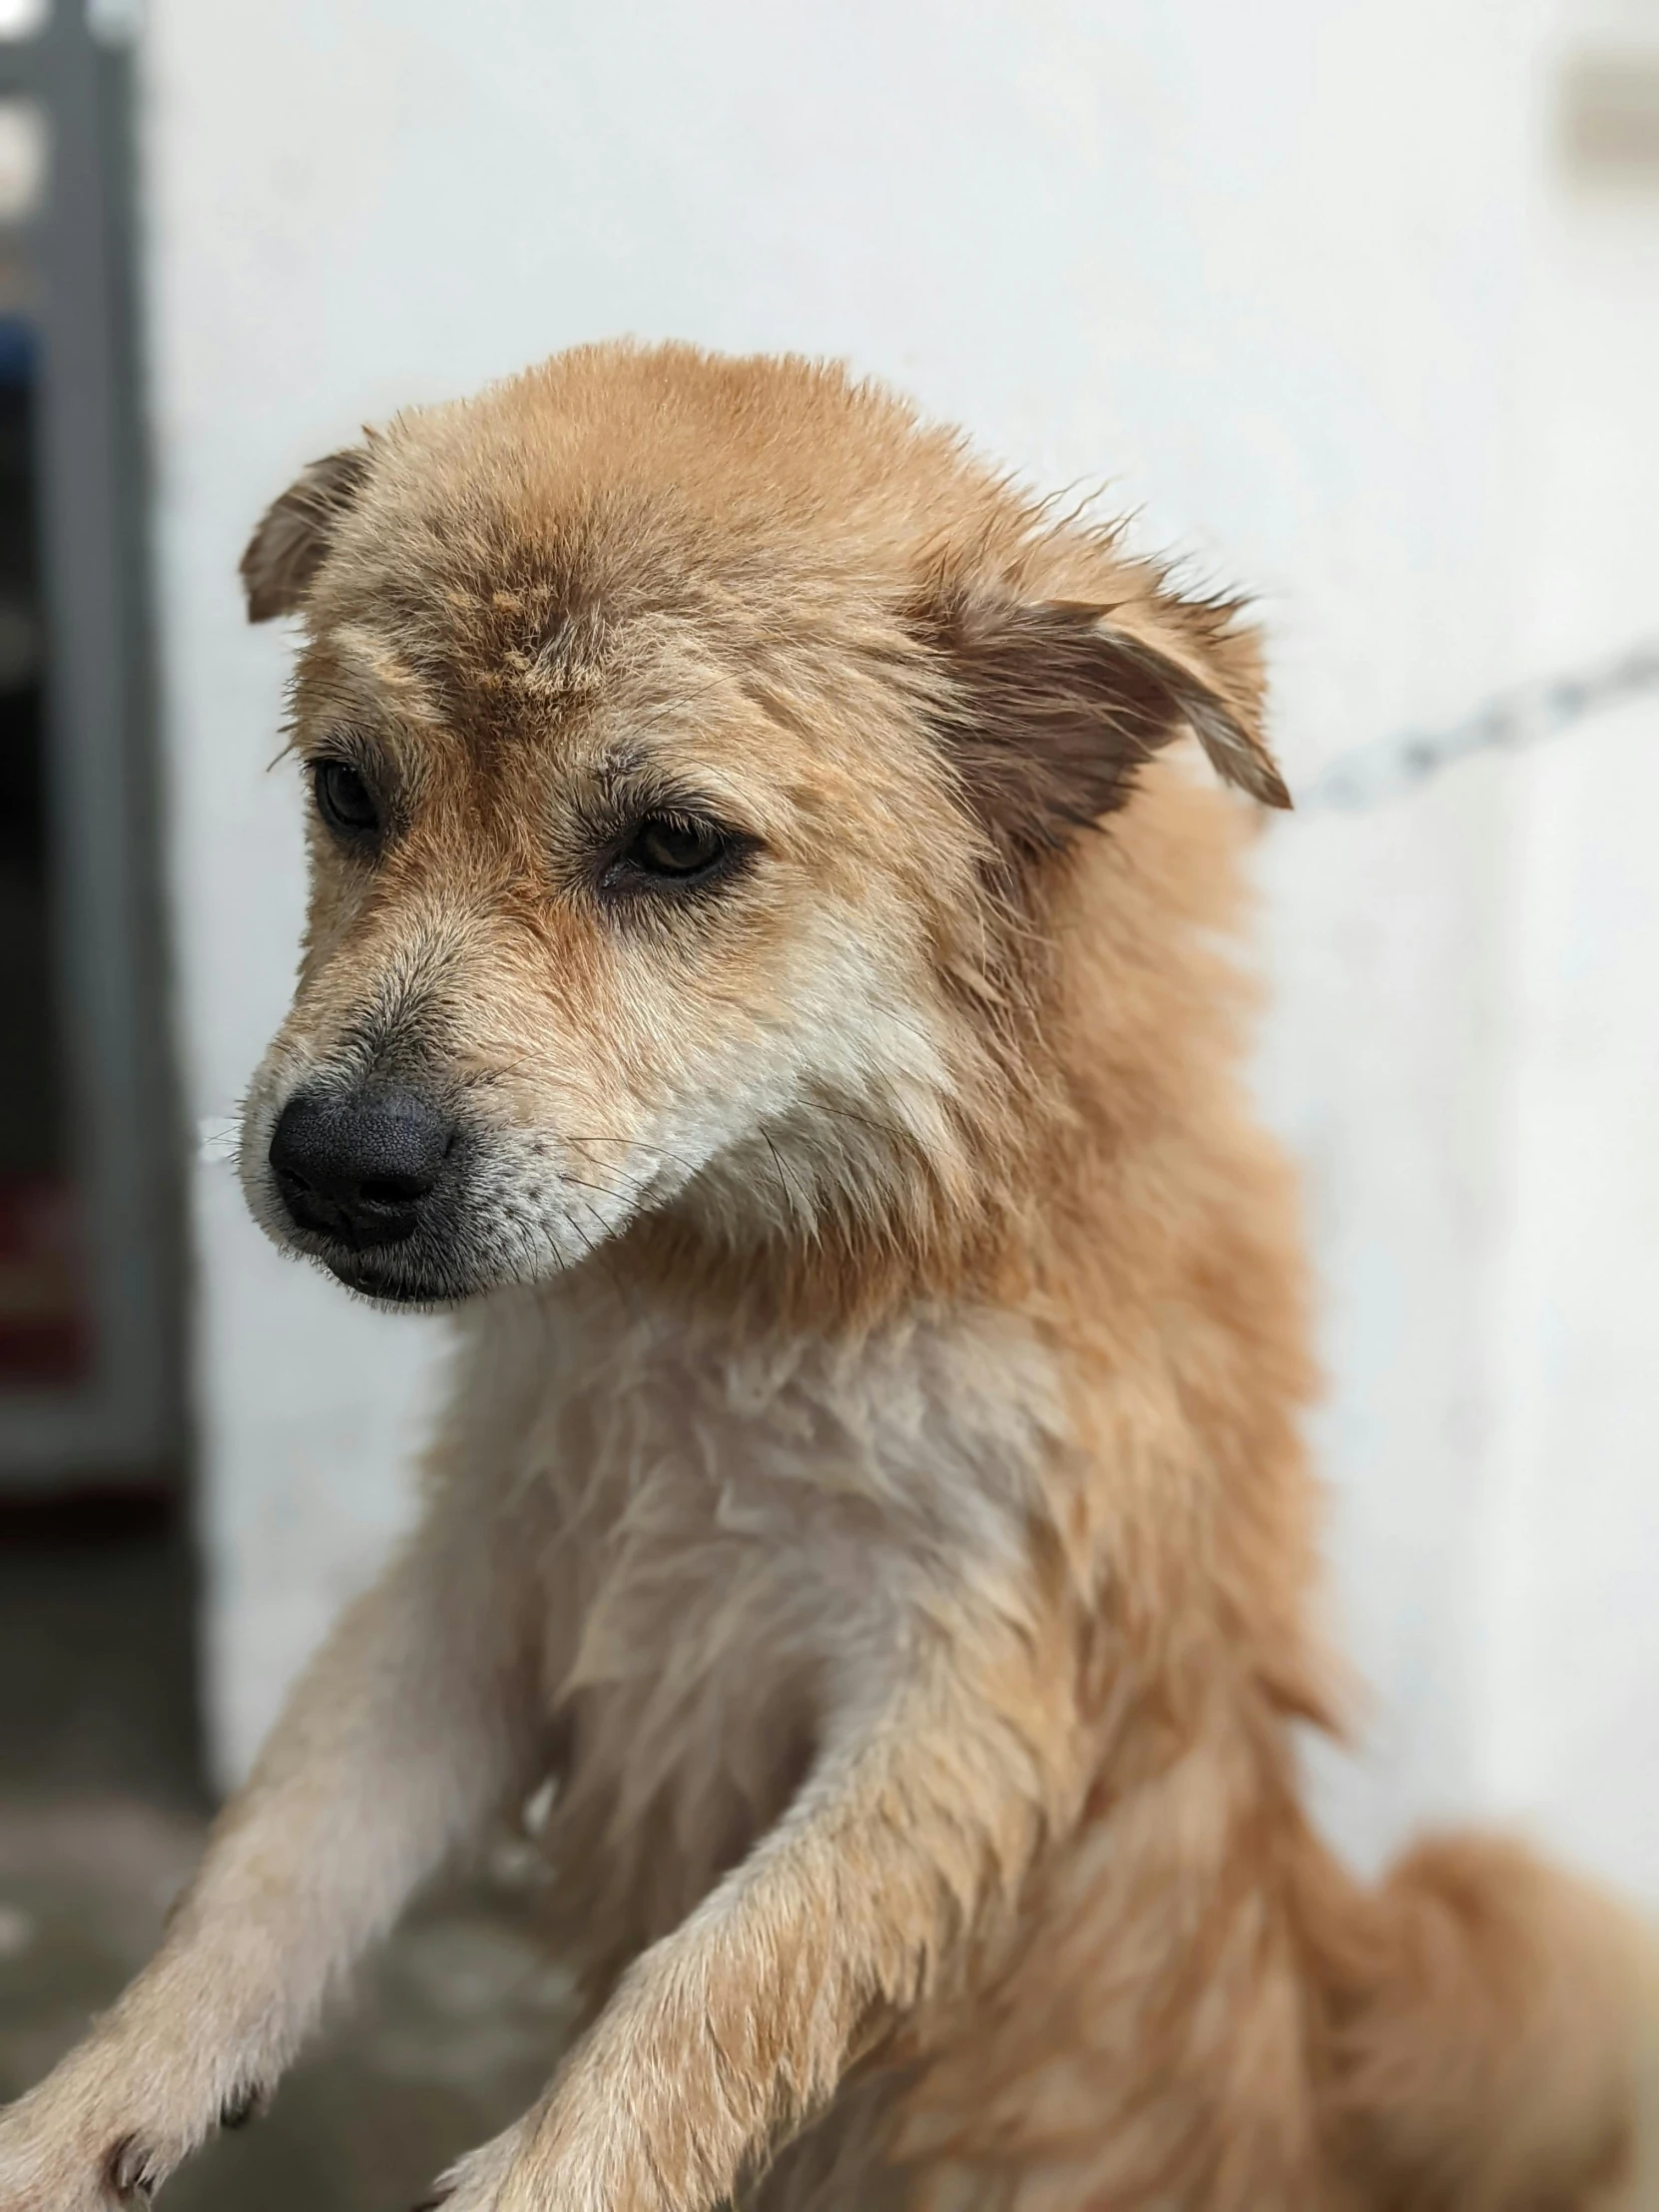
1571	1648
1272	273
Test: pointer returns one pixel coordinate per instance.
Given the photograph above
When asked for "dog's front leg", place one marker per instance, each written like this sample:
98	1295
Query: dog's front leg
727	2034
404	1735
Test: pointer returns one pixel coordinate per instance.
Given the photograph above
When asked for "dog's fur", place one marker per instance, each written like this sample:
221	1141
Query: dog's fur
872	1486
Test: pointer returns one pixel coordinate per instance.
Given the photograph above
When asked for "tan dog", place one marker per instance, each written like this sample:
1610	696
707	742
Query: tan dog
761	971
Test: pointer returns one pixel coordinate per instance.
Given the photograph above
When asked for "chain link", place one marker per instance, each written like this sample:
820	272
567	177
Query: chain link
1389	767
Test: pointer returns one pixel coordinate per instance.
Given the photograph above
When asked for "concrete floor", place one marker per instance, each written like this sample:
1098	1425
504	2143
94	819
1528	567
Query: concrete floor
451	2030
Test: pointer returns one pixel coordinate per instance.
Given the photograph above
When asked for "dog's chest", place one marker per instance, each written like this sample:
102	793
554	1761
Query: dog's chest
740	1536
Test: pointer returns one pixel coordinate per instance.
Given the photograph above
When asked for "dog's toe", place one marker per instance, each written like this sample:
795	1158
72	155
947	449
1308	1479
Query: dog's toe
134	2171
240	2106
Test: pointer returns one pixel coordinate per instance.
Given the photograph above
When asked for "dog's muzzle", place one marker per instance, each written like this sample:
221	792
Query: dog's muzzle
364	1170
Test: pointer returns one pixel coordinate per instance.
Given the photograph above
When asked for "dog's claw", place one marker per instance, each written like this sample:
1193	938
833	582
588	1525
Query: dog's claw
132	2174
240	2107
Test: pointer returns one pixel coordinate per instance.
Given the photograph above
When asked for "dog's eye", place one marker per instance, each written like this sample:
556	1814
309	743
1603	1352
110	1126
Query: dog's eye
679	849
343	799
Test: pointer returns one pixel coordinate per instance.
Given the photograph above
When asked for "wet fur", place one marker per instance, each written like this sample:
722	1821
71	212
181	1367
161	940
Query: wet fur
873	1483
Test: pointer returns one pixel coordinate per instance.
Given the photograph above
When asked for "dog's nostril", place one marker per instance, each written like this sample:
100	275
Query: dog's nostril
359	1165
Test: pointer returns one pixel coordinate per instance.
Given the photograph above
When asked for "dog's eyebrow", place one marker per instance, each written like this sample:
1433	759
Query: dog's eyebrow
644	779
627	780
625	763
399	685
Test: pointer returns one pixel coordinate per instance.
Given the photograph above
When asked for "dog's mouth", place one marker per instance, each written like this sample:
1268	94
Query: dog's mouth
411	1203
360	1273
412	1277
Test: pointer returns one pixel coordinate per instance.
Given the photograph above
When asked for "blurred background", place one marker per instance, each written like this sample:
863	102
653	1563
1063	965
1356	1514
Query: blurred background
1357	304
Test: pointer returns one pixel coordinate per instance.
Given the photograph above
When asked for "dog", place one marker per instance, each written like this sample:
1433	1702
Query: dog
768	972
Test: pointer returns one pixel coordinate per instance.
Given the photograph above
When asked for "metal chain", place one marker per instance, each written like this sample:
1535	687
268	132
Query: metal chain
1389	767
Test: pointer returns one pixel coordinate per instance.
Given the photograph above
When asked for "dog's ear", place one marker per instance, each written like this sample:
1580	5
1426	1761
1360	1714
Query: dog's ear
1050	707
295	533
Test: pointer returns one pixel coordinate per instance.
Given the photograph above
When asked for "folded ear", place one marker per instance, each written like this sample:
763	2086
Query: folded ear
1051	709
295	533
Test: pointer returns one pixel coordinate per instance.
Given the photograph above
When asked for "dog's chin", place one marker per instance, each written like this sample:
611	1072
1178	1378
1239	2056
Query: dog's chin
394	1296
395	1288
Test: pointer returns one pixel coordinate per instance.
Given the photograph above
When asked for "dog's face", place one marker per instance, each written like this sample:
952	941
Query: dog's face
675	787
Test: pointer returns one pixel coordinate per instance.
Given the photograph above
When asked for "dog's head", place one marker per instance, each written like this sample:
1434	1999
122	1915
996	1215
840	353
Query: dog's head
689	746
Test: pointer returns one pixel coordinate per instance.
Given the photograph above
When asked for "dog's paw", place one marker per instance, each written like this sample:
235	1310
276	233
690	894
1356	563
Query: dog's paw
80	2163
481	2181
58	2161
90	2139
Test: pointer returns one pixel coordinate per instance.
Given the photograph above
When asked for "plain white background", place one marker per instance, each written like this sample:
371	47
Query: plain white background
1314	291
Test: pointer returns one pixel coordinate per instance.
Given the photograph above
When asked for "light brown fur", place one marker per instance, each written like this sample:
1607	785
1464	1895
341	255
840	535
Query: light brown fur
872	1485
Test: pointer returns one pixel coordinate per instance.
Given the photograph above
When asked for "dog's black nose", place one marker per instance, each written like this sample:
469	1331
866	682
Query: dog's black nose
359	1166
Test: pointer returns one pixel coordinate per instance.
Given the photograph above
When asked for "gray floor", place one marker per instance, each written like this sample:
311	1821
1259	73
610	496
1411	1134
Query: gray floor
450	2030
